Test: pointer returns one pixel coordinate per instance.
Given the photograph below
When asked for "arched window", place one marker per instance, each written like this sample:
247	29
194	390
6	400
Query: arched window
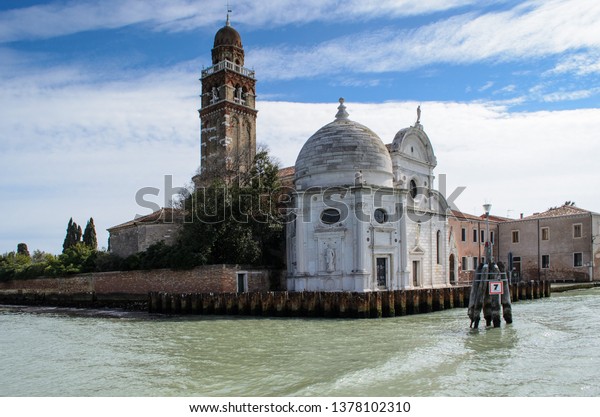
438	246
413	188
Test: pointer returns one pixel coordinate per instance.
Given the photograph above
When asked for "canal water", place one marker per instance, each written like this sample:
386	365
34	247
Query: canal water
551	349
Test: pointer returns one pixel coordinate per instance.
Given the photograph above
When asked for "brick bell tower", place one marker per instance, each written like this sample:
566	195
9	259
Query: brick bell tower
228	111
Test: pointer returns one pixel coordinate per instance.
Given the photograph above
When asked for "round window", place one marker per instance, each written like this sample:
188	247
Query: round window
380	215
330	216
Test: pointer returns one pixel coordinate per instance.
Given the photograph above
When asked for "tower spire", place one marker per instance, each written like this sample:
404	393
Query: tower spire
228	11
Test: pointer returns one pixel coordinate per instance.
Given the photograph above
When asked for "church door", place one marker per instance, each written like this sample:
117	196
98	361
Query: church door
416	266
382	272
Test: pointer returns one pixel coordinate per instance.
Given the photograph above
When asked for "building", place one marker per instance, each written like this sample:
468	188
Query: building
228	110
227	141
365	214
365	218
560	243
467	244
139	234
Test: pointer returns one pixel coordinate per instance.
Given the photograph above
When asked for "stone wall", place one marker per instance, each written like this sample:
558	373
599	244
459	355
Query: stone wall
139	237
204	279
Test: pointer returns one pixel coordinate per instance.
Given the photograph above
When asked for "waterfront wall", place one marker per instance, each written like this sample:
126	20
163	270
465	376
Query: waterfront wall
89	291
101	287
330	304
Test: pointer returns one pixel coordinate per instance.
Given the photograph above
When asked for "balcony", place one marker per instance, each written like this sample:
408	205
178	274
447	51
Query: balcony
228	65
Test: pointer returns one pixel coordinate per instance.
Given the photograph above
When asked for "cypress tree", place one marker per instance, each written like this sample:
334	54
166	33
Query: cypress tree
68	242
73	235
23	250
89	235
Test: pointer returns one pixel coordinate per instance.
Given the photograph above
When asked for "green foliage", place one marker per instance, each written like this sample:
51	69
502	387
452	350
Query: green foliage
73	235
89	235
235	223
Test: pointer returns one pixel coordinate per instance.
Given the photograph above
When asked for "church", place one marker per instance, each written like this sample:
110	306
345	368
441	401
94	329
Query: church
364	215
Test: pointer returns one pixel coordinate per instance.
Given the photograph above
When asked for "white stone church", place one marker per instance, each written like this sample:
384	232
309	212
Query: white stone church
365	216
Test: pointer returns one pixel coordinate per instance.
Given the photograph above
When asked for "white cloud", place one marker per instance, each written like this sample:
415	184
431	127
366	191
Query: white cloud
486	86
68	17
579	64
523	162
570	95
524	32
84	150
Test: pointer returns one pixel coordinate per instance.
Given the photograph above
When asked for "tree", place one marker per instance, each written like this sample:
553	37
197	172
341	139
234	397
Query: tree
23	250
73	235
89	235
235	221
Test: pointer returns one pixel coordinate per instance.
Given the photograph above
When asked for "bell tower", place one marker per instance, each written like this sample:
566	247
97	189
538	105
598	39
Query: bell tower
228	110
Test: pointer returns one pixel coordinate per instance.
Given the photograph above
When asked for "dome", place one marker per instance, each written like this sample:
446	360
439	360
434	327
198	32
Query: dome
340	153
228	36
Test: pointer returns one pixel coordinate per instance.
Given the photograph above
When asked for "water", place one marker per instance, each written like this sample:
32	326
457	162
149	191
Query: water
552	348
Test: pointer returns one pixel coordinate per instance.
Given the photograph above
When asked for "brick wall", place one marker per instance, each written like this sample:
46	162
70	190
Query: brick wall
204	279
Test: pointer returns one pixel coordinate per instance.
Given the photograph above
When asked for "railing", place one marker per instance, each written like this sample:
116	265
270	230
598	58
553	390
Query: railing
230	66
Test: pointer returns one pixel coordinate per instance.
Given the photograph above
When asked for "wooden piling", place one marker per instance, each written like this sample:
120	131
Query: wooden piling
400	303
505	299
387	304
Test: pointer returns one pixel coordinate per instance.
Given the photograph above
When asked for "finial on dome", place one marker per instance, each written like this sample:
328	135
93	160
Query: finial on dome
342	113
418	115
228	11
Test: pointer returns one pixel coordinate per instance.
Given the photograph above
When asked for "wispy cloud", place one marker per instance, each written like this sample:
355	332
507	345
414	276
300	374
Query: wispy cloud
579	64
486	86
526	31
570	95
68	17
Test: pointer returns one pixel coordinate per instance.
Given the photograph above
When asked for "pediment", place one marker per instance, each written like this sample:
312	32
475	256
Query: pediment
417	250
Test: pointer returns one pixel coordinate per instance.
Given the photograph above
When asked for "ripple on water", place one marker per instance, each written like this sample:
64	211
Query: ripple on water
550	349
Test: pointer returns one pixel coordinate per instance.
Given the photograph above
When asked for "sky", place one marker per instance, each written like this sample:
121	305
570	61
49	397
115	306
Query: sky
99	99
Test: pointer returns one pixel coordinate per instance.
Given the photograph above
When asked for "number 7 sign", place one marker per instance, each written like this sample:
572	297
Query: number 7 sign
496	287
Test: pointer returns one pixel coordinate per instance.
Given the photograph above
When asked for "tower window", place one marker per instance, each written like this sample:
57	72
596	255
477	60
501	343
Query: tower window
576	231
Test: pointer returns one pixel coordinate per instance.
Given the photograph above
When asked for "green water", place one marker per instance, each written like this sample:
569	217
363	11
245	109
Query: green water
552	348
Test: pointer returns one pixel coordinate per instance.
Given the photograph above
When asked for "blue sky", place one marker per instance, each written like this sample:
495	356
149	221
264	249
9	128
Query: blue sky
100	98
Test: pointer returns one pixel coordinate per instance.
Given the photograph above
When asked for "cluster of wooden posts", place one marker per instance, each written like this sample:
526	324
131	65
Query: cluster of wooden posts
329	304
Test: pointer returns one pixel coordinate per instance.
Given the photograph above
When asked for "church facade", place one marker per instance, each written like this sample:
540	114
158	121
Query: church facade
365	215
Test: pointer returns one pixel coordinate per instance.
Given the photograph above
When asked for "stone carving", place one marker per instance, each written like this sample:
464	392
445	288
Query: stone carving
330	259
358	178
418	114
215	95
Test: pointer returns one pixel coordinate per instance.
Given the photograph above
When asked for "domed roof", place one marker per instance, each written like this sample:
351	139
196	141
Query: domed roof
340	153
413	142
228	36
